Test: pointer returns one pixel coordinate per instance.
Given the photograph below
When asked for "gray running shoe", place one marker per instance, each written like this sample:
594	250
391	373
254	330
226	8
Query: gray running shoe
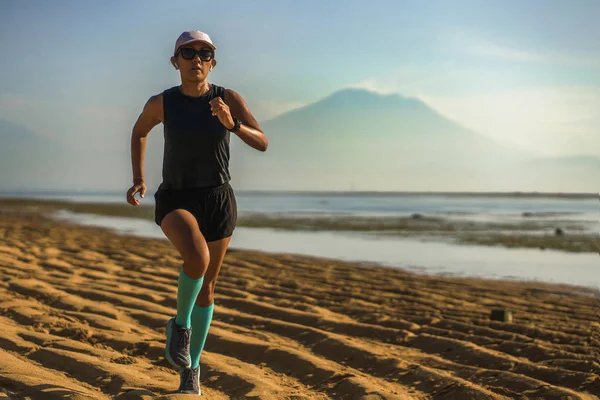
189	381
178	345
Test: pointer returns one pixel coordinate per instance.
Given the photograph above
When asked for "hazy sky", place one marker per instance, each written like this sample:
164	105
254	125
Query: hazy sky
526	72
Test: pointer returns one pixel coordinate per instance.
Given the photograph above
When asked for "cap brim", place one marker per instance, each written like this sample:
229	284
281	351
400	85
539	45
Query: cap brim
212	46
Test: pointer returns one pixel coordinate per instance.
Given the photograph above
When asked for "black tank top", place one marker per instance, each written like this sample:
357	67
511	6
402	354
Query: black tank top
196	152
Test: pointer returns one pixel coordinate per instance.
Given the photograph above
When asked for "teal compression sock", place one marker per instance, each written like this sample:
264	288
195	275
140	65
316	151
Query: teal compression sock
187	292
201	319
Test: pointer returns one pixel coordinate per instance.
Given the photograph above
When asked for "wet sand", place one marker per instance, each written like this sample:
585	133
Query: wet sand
83	313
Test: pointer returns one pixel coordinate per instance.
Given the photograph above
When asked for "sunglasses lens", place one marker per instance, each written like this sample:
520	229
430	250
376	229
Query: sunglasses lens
206	55
187	53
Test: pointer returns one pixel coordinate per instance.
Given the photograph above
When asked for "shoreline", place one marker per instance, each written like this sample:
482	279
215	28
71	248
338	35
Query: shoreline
364	264
527	232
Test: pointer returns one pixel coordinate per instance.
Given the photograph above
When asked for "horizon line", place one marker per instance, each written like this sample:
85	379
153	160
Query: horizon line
515	193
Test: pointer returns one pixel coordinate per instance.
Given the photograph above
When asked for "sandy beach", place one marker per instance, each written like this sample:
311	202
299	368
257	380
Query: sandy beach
83	313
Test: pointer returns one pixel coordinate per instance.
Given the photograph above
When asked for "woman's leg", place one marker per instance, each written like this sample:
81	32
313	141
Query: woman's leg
203	310
181	228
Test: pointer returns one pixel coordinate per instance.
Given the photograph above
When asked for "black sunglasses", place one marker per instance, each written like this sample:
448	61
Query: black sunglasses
188	53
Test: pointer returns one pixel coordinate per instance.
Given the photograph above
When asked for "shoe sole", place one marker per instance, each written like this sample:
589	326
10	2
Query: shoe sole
167	355
189	392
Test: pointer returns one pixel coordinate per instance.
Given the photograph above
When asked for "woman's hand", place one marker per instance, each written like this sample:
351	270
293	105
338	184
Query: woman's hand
221	111
139	187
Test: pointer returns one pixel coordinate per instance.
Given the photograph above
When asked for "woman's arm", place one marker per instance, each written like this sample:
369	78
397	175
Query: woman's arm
151	115
250	131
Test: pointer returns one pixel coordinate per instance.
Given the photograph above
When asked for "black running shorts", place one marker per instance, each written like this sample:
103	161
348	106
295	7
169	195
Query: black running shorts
214	208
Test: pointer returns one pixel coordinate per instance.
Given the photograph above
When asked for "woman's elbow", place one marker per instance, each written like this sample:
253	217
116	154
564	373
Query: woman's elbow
264	145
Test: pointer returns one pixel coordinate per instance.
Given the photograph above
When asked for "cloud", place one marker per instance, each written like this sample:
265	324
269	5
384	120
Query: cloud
264	110
494	50
10	102
20	102
471	42
375	85
440	78
102	112
74	125
554	120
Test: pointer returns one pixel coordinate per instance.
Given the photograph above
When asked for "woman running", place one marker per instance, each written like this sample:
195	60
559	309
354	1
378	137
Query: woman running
195	204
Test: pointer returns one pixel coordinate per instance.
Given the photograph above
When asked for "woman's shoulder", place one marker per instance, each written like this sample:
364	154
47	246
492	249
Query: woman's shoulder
159	97
168	91
226	93
218	90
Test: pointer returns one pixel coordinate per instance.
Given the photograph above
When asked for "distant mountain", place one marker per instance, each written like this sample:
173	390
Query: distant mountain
25	157
366	123
12	136
30	161
357	138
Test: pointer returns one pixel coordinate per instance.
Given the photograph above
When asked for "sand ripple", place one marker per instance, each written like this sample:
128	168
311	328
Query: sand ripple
83	314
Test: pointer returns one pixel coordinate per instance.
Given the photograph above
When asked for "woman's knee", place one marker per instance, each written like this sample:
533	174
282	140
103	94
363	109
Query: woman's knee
207	295
197	261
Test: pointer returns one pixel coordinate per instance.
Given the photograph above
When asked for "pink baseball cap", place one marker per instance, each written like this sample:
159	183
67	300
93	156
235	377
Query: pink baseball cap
193	36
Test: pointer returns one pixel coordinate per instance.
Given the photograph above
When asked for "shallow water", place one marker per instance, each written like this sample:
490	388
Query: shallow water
427	256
